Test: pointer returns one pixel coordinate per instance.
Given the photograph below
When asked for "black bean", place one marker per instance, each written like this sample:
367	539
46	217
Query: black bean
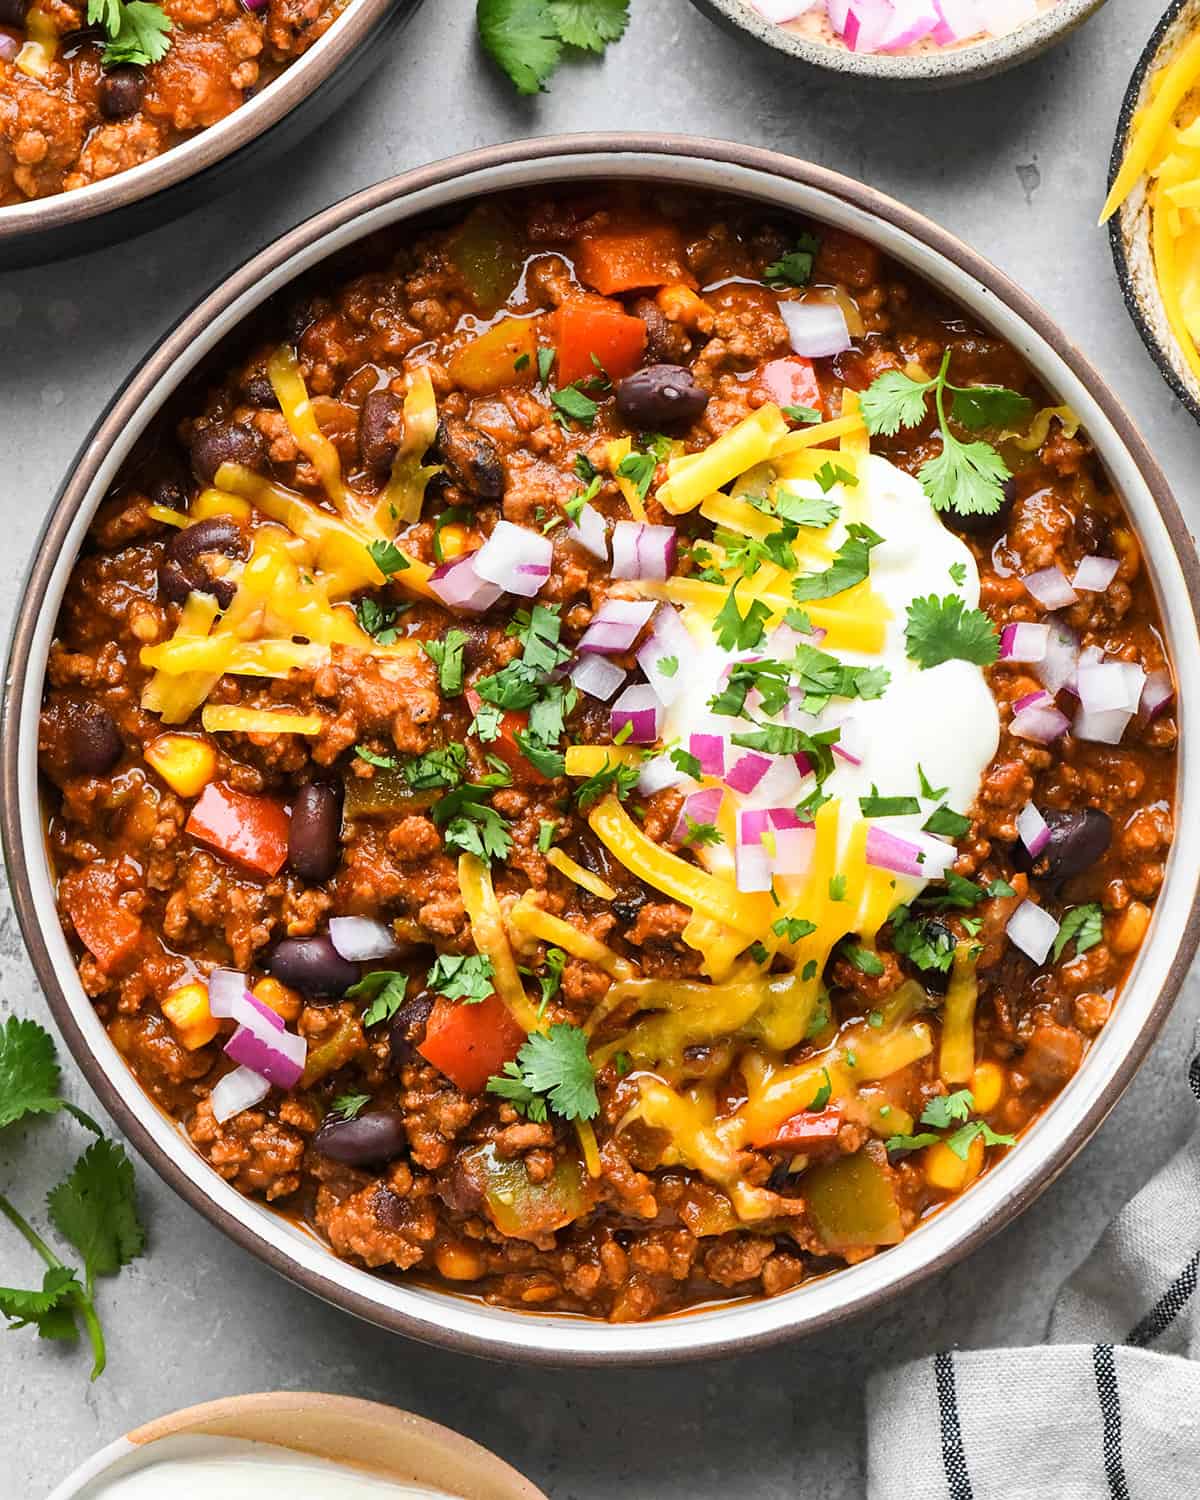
121	91
972	525
660	396
259	391
315	831
373	1137
1077	840
311	965
182	570
226	443
627	904
169	491
89	741
12	12
380	427
1091	531
471	458
407	1029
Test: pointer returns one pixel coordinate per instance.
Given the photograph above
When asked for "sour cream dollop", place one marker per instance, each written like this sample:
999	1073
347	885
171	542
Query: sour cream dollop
188	1468
942	719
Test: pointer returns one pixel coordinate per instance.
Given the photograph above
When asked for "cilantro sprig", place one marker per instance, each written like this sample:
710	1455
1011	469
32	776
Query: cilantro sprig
944	629
94	1209
526	38
965	477
137	31
552	1071
943	1111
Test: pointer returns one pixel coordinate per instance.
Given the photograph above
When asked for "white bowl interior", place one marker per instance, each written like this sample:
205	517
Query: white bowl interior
436	1315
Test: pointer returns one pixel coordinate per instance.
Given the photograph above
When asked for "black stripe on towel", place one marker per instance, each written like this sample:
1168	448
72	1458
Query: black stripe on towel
1110	1413
1168	1307
1194	1075
954	1460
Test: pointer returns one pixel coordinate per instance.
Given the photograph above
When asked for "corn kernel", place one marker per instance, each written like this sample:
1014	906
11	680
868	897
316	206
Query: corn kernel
458	1262
987	1087
1131	928
453	540
187	1010
945	1170
219	503
185	763
284	1002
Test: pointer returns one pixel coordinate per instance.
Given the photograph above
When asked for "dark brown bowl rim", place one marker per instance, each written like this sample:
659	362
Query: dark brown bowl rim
207	148
157	367
1125	279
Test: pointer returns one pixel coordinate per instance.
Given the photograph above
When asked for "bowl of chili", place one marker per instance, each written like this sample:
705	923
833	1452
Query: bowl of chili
108	132
711	1057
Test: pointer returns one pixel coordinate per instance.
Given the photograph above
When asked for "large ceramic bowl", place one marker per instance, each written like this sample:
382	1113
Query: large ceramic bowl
1129	228
939	67
389	1443
213	160
456	1321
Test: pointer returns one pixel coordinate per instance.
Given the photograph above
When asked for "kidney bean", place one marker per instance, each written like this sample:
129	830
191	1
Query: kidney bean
314	834
311	965
373	1137
471	459
407	1029
226	443
1077	840
88	742
259	391
121	91
380	427
12	13
660	396
182	570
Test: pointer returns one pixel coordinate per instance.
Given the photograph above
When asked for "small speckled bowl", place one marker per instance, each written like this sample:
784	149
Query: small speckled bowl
941	68
1129	229
387	1443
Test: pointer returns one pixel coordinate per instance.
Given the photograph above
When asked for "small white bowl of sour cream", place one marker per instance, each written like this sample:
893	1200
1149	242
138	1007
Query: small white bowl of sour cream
294	1445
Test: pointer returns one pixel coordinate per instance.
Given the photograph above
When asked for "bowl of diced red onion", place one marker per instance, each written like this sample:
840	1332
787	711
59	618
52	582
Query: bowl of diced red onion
922	42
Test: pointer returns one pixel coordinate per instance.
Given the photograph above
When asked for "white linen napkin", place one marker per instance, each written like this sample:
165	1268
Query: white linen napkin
1107	1409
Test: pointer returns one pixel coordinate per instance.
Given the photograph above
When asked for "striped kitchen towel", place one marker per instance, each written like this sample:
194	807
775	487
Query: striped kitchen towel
1108	1409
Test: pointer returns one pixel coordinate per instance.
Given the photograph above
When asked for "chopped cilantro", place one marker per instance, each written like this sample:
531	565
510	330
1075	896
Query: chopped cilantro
958	573
349	1106
447	656
837	887
462	976
639	469
830	474
806	415
863	959
821	1098
947	822
384	762
667	666
701	834
138	32
804	510
571	405
735	631
485	726
1084	924
384	991
876	806
941	630
378	620
944	1110
793	928
850	566
551	981
521	362
619	779
684	761
469	823
551	1071
934	793
795	268
547	828
387	557
926	945
444	766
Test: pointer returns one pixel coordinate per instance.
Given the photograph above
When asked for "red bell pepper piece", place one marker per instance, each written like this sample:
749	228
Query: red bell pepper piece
106	930
470	1042
253	831
808	1129
793	382
620	260
505	746
586	327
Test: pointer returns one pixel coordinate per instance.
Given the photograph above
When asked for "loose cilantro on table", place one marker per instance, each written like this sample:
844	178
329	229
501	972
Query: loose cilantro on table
795	268
526	38
966	477
462	976
552	1071
447	657
94	1209
387	557
941	630
1082	924
850	566
384	990
735	631
137	31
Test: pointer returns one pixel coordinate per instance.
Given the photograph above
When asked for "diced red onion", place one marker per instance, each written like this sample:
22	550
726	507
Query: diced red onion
459	586
794	849
360	939
1050	588
1003	16
838	14
802	763
1036	717
784	817
659	773
782	10
1157	693
640	550
867	24
1023	641
597	677
515	558
226	989
9	47
239	1090
700	807
616	625
669	640
709	750
816	329
1033	828
960	19
1107	685
590	532
1101	727
912	22
849	743
922	857
276	1053
638	707
1094	574
747	771
753	865
255	5
753	822
1032	930
1056	670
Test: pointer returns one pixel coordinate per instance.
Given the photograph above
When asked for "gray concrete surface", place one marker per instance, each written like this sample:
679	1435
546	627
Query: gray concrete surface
1016	165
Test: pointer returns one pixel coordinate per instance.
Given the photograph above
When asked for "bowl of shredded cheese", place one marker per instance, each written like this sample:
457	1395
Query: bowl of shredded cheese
1153	205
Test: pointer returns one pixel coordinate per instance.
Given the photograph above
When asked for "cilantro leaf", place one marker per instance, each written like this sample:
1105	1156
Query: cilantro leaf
387	557
850	566
947	822
977	406
377	620
944	1110
95	1210
961	1140
28	1071
735	632
876	806
384	762
619	779
522	38
894	401
384	989
965	477
639	469
462	976
700	834
511	1085
573	406
795	268
793	928
802	510
685	761
441	767
805	415
349	1106
928	946
447	656
551	981
142	34
821	1098
51	1311
958	573
590	24
862	959
941	630
830	474
554	1064
934	794
1084	924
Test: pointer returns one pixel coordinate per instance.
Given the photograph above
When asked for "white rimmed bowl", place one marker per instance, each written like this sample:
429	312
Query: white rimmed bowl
778	183
388	1443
